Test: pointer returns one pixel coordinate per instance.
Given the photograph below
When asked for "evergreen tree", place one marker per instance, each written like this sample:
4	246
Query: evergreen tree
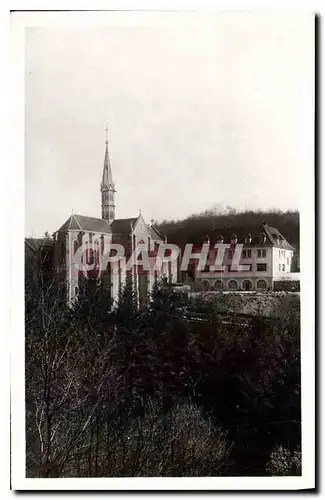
127	312
165	306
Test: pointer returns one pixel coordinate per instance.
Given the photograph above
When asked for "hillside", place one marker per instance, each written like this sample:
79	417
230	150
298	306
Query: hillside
194	228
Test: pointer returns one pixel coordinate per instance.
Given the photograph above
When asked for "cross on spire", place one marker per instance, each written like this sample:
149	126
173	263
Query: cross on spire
106	132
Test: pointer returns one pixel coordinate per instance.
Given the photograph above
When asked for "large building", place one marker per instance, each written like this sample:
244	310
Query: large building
94	236
265	252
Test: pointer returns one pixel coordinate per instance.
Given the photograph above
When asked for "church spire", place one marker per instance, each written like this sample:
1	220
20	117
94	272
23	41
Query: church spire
107	187
107	179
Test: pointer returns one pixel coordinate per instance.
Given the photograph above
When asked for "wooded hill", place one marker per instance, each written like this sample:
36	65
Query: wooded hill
194	228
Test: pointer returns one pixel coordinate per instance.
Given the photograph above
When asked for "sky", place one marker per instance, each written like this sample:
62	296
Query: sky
202	112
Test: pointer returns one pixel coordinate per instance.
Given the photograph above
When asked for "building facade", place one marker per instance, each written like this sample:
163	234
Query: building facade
264	251
91	238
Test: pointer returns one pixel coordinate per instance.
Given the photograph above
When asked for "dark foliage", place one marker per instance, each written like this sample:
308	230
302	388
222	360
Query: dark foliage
194	228
172	389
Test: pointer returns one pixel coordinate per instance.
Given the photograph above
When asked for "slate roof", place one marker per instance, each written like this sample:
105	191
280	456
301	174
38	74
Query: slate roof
123	226
272	234
121	229
155	234
85	223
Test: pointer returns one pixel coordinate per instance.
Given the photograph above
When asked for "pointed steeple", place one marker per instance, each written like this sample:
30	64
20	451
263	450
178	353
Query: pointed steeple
107	188
107	179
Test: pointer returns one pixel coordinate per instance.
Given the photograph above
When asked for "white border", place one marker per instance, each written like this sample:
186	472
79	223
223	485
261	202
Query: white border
19	481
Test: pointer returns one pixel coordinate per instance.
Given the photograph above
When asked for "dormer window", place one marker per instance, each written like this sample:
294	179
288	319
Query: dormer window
248	239
263	238
233	239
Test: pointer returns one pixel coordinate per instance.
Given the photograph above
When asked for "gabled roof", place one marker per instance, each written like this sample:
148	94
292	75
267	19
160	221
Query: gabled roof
155	234
271	233
85	223
274	235
121	229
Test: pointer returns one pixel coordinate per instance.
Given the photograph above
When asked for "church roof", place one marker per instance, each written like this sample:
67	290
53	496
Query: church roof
155	234
85	223
123	226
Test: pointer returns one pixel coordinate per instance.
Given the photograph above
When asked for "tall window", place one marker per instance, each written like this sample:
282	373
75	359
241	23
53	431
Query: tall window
247	254
62	252
263	252
259	252
283	267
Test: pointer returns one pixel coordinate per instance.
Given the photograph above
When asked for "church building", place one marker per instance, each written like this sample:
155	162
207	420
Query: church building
94	235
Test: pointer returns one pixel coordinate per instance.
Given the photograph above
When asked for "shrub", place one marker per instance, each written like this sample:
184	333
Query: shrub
284	463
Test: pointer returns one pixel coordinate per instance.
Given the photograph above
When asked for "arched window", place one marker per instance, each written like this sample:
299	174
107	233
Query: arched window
232	285
218	285
75	246
247	285
96	251
261	285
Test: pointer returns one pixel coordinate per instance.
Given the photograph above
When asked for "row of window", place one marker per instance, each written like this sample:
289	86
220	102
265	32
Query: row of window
259	267
247	254
233	285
